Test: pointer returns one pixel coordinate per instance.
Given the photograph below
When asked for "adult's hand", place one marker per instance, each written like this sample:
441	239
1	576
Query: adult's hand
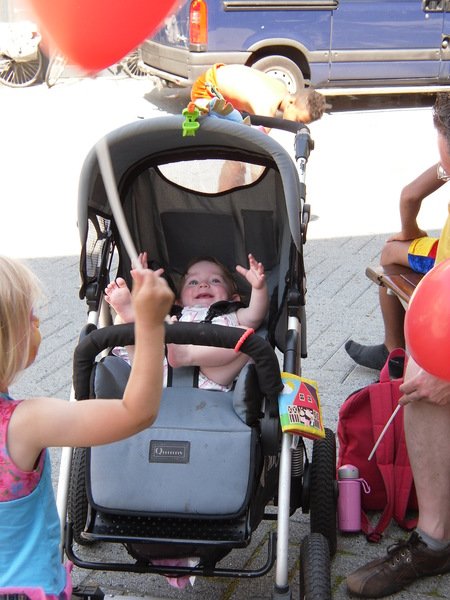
420	386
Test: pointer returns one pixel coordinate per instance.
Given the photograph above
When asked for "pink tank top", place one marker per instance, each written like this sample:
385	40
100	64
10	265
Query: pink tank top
14	483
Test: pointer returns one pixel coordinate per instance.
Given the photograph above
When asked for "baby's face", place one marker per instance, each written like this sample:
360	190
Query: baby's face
203	285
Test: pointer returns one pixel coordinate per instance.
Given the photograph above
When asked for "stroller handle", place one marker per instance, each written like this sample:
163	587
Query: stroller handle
199	334
277	123
303	142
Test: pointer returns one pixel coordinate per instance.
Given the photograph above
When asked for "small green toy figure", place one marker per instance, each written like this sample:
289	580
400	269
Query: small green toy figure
190	123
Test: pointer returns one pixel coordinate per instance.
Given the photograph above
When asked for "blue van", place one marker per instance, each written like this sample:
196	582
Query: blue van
324	43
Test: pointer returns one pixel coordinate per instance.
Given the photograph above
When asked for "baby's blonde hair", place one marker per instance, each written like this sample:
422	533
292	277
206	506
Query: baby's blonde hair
19	290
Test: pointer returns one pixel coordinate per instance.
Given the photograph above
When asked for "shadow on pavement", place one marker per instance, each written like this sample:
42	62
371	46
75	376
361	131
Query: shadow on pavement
380	102
168	99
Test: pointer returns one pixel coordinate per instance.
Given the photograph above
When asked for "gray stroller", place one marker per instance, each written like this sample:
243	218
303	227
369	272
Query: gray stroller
214	465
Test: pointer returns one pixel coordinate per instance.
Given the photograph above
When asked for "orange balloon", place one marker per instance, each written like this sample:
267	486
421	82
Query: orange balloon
427	322
94	34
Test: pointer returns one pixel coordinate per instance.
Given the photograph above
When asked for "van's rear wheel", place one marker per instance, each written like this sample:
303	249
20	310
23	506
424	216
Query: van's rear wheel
284	69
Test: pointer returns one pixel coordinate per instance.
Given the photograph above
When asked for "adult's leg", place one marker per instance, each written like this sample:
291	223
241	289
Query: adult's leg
427	551
392	313
392	310
232	175
427	428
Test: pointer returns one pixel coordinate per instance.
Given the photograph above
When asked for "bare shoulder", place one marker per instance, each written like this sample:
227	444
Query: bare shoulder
250	90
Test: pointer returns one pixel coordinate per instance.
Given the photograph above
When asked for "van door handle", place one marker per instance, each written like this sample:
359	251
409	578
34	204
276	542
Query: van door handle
435	5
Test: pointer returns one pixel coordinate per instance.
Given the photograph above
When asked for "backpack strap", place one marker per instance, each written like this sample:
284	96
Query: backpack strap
404	482
403	478
383	399
380	405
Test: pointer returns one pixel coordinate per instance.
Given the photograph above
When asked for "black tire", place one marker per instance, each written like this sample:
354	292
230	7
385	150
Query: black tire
55	69
315	568
134	66
284	69
18	74
45	63
323	489
77	501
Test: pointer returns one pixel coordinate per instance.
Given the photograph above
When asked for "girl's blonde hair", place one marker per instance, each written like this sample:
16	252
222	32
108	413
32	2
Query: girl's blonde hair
19	290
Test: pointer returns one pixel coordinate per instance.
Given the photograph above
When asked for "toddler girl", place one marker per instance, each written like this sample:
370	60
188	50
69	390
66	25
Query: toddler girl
29	524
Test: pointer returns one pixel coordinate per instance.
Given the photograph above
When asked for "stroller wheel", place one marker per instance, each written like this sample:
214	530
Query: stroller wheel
323	489
315	569
77	502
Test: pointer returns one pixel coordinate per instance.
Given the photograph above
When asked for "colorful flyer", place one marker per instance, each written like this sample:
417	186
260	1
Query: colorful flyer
299	406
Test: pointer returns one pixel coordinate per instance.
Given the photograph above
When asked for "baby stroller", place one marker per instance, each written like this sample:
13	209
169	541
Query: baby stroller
200	481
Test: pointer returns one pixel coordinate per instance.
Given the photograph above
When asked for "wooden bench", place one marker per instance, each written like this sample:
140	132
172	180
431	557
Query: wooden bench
397	279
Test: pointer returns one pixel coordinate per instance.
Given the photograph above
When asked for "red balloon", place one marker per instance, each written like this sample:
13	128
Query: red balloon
94	34
427	322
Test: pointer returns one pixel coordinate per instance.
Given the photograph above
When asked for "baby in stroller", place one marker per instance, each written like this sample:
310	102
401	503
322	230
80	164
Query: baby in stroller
207	293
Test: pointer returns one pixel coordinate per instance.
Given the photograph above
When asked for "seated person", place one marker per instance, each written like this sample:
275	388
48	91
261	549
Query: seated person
205	283
426	413
255	92
411	247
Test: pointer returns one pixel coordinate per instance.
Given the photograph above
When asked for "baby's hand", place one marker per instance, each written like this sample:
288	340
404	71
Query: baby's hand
152	297
178	355
254	274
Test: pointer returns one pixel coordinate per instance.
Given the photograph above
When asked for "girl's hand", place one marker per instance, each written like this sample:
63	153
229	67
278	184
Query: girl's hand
152	297
143	261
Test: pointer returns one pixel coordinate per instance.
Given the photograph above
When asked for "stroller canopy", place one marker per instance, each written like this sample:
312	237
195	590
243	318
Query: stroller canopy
160	140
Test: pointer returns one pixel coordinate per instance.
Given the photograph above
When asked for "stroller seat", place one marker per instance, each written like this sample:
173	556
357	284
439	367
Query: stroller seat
192	480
